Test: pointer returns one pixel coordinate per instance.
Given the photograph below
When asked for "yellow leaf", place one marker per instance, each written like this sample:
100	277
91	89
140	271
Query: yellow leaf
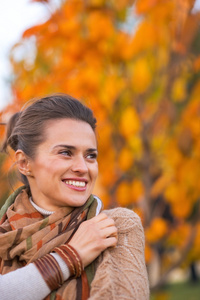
157	230
159	186
110	90
137	190
99	25
96	3
179	90
181	209
142	76
123	194
125	159
148	253
179	235
136	145
129	124
143	6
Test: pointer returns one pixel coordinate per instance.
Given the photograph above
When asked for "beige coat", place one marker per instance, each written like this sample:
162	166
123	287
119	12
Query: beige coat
121	272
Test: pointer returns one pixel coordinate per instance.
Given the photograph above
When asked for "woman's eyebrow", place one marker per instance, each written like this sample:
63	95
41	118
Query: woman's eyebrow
92	150
65	146
73	147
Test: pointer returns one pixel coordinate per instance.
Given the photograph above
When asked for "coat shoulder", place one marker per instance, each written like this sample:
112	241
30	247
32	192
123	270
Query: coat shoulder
125	219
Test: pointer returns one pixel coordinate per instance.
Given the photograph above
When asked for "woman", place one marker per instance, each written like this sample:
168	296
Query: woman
55	243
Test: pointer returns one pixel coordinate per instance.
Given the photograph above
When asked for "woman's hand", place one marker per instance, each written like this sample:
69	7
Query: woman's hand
93	237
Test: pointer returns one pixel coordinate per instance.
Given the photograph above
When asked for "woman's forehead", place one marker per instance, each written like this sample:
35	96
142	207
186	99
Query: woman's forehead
69	131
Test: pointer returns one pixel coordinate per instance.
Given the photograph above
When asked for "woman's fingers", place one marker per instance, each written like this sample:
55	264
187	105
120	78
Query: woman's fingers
109	231
93	237
106	223
99	218
110	242
102	220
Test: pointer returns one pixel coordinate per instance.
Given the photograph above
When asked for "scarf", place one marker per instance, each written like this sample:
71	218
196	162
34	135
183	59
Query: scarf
26	235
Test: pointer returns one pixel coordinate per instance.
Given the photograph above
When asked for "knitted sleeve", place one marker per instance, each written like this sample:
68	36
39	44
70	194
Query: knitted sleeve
121	271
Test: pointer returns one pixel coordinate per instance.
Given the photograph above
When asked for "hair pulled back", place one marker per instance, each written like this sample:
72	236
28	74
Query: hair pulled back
25	129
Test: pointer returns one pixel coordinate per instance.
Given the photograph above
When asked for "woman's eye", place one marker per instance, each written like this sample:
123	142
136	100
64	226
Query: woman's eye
65	152
92	156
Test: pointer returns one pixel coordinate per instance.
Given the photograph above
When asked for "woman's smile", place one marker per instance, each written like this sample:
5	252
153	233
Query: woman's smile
65	167
76	184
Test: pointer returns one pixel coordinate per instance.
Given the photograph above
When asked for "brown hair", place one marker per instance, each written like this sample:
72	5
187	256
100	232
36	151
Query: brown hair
25	129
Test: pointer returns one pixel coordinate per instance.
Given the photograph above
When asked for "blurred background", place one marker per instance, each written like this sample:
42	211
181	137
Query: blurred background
137	65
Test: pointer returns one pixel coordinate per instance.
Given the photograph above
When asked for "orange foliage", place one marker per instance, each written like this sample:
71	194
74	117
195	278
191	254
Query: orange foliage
157	230
125	159
142	76
145	5
129	124
181	208
148	253
8	165
159	186
179	235
179	90
2	130
137	190
124	194
194	254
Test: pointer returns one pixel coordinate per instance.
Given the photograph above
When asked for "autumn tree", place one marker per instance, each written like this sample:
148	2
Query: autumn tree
137	65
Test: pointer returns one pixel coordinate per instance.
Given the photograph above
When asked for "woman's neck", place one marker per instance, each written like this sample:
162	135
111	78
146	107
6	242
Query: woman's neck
40	209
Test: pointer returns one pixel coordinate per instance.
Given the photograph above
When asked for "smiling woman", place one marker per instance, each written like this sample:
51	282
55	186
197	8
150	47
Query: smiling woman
54	236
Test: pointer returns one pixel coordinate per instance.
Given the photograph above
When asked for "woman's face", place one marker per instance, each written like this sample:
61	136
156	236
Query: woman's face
65	168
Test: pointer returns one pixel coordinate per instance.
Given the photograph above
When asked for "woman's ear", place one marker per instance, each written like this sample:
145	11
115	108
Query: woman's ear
22	163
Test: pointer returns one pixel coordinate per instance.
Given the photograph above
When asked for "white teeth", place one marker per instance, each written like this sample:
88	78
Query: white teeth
75	183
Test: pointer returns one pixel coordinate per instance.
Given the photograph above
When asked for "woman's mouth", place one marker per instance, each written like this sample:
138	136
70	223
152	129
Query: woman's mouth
78	185
75	183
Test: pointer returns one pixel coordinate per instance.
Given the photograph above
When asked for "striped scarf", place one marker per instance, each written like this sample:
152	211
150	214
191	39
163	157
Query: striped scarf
26	235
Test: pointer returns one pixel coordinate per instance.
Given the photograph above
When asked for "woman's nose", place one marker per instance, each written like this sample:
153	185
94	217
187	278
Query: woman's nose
79	165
